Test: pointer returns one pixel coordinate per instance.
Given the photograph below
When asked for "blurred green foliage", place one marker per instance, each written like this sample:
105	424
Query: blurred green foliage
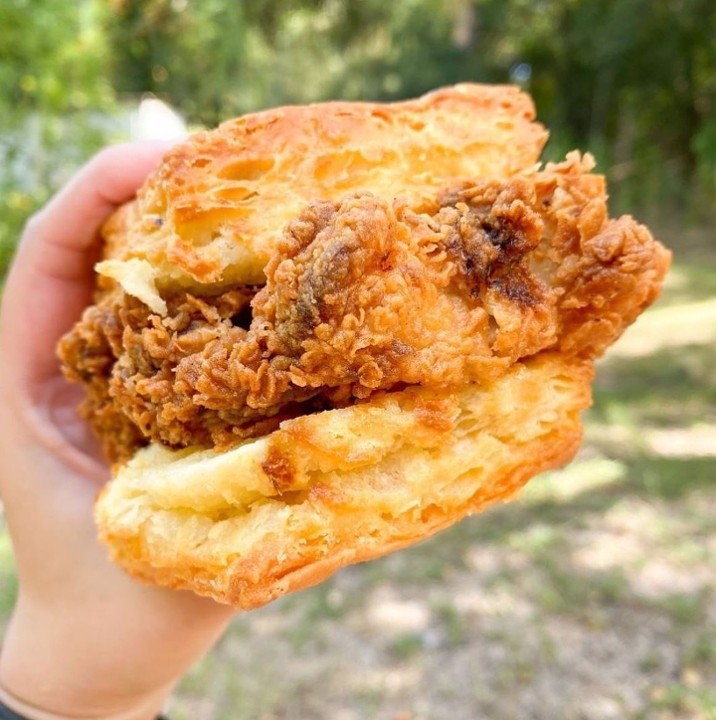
55	88
634	81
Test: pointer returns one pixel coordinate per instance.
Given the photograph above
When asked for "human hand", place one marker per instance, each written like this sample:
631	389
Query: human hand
84	641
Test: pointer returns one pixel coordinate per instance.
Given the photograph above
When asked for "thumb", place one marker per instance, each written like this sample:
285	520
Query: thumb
51	279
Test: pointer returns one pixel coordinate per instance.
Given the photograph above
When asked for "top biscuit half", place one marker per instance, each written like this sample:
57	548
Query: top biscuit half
212	213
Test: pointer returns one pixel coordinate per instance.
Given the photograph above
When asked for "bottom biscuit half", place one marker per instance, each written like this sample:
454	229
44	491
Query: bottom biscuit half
283	512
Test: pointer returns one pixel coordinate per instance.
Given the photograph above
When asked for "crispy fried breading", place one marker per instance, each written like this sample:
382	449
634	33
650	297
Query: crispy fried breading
363	295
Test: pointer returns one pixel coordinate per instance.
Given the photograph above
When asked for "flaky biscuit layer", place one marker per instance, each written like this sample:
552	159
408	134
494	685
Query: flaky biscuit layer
285	511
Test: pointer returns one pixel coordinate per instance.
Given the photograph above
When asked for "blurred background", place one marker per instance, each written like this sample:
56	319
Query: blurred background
594	596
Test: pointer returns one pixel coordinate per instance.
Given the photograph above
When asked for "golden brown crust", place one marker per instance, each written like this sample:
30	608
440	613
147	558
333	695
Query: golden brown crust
217	205
340	487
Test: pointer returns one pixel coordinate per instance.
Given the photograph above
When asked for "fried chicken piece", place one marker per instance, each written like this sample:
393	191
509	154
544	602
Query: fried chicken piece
362	295
126	356
365	296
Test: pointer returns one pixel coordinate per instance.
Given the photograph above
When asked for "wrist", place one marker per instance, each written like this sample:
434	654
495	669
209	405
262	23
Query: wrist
48	671
23	711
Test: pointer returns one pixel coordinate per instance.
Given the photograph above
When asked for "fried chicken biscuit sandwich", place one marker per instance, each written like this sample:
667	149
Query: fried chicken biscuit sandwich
323	333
